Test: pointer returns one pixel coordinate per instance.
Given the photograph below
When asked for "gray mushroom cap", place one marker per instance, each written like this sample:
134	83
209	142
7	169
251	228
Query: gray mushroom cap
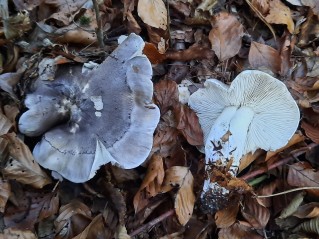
255	111
104	116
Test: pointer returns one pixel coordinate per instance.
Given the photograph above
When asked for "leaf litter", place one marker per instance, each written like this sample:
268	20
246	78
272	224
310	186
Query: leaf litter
186	41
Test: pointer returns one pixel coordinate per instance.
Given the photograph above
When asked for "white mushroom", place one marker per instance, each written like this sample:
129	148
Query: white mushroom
91	119
255	111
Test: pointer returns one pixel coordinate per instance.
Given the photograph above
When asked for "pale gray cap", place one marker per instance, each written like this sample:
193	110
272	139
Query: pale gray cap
107	115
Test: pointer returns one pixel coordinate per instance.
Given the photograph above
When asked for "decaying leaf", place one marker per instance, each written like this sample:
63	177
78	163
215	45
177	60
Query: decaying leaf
181	178
292	206
226	35
261	55
73	219
188	124
21	165
151	184
227	216
166	95
238	230
31	208
313	4
153	13
311	131
309	210
12	233
5	190
301	174
279	13
311	226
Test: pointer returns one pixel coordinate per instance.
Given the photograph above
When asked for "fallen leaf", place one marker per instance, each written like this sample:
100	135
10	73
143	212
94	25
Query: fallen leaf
293	206
181	178
227	216
309	210
266	189
226	35
311	131
313	4
21	165
238	231
261	5
194	52
153	13
279	13
151	184
30	209
256	214
72	220
5	190
165	95
261	55
13	233
188	125
311	226
153	54
301	174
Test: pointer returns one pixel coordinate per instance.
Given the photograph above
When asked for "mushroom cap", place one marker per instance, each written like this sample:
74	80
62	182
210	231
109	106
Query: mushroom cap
255	101
104	116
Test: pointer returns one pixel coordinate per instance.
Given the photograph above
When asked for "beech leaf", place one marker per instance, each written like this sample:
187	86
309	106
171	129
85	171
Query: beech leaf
182	178
226	35
153	13
5	190
21	165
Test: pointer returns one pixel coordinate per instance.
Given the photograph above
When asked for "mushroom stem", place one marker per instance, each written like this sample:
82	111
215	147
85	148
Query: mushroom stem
227	138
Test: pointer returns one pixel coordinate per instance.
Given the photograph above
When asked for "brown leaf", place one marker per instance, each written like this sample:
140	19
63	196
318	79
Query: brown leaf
153	54
194	52
311	131
188	124
238	231
313	4
309	210
279	13
293	205
226	35
256	214
12	233
166	95
301	174
5	190
73	219
227	216
311	226
261	5
21	165
182	178
151	184
267	189
261	55
31	208
153	13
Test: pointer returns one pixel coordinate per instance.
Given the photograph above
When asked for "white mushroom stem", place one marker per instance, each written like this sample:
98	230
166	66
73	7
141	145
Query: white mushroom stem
227	138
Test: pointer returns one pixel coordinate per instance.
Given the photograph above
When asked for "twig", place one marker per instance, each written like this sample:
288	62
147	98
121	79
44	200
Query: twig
152	223
98	30
277	164
288	191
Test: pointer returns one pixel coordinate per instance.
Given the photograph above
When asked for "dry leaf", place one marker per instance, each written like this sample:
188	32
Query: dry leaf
73	219
153	13
95	229
293	206
194	52
5	190
12	233
31	208
188	124
256	214
227	216
301	174
261	55
311	131
21	165
261	5
181	177
313	4
309	210
153	54
226	35
279	13
151	184
296	138
311	226
165	95
238	231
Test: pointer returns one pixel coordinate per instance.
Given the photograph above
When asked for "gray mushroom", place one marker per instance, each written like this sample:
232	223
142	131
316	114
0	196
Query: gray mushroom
91	119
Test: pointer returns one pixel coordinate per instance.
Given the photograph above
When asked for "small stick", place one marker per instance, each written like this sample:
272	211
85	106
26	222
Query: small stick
152	223
288	191
277	164
98	30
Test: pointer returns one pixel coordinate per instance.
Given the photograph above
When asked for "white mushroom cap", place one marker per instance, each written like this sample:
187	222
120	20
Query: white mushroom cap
255	111
108	115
